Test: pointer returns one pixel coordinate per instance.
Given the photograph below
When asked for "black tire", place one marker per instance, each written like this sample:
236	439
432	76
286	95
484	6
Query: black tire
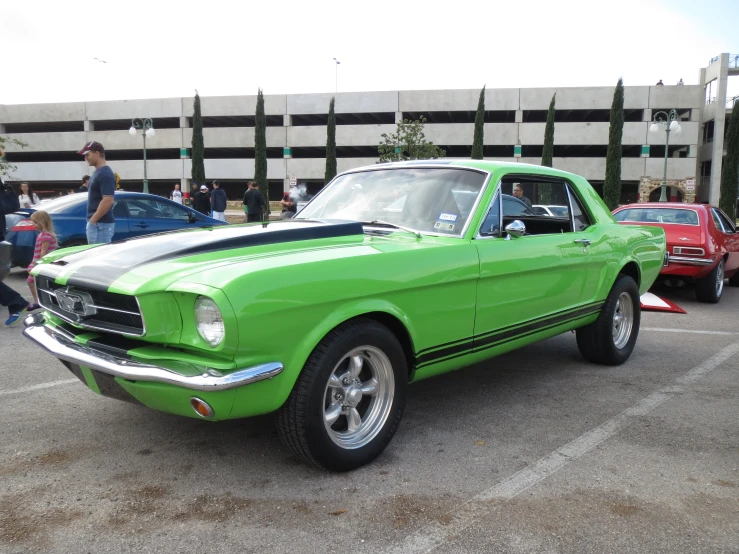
596	342
708	289
300	421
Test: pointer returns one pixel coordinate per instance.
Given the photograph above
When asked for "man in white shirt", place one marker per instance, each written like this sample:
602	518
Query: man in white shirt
176	195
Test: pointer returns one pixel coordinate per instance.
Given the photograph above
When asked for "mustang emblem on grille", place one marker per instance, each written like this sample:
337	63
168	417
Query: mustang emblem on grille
78	303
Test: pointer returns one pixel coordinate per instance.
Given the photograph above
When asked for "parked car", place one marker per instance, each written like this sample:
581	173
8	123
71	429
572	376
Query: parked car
702	244
551	211
325	318
135	214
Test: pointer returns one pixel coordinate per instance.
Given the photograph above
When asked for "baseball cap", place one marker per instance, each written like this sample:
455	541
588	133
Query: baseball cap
203	187
93	146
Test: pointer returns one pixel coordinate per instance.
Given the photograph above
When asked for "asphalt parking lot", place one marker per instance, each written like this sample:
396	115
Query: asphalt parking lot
535	451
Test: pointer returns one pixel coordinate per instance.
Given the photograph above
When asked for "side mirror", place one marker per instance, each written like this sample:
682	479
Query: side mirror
191	218
515	228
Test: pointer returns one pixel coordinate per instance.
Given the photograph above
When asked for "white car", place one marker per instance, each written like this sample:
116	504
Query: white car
553	211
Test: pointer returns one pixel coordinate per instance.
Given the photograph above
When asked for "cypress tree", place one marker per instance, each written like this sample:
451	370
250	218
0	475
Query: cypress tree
546	156
260	146
198	147
479	123
612	185
330	144
545	190
730	168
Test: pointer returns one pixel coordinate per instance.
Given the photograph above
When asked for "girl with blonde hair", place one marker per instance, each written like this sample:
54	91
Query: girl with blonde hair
45	243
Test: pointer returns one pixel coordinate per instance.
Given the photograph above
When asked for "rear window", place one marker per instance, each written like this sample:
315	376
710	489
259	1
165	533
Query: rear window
677	216
63	203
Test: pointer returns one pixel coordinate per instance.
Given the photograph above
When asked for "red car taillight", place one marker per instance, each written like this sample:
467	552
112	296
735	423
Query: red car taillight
688	251
24	225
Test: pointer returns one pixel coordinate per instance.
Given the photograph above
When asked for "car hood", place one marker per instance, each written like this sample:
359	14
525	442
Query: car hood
178	254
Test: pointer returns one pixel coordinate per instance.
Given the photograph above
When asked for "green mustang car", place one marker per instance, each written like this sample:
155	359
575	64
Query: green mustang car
391	274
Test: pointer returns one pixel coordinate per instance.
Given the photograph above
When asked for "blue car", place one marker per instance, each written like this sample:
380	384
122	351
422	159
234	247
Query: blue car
135	214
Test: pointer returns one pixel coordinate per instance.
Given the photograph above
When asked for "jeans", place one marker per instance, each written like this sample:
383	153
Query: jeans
100	233
14	301
220	216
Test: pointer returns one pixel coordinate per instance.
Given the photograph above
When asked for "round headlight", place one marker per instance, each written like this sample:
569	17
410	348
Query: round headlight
209	321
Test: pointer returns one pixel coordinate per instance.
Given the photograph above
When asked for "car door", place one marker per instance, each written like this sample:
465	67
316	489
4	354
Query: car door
727	230
152	215
120	213
536	281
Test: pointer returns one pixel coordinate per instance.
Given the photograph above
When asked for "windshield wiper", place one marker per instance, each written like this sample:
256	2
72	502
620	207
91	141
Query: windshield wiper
388	224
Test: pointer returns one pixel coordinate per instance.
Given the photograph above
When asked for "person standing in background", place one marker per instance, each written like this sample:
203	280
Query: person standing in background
218	202
254	203
28	198
201	202
83	186
176	194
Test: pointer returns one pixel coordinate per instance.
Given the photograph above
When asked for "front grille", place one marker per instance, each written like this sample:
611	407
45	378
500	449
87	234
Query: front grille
107	311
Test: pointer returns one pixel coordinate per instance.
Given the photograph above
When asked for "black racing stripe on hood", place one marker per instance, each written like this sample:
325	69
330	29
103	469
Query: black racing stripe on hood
106	263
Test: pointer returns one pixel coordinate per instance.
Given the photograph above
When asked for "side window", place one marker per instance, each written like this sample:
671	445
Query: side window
491	224
579	216
145	207
717	220
541	203
729	228
119	209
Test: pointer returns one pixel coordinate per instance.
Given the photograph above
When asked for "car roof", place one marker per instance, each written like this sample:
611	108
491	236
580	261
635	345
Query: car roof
671	205
485	165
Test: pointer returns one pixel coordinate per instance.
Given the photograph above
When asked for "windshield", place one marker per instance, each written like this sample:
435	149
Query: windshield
658	215
430	200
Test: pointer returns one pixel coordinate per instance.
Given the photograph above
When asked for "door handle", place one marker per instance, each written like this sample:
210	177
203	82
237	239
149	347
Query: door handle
583	242
144	225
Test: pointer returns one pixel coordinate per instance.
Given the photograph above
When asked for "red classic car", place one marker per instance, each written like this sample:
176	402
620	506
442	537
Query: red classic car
702	244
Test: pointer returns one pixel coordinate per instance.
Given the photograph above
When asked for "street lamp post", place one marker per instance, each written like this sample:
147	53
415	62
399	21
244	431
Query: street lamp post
147	129
337	74
670	121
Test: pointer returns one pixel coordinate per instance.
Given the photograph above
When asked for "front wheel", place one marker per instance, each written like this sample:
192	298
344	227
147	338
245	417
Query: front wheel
610	339
348	401
711	287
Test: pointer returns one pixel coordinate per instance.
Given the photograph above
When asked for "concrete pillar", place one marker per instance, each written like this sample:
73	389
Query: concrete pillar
718	130
185	122
2	129
398	117
647	116
287	120
88	126
519	116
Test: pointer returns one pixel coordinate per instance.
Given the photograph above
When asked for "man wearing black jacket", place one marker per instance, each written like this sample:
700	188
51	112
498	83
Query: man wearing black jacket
8	202
201	202
254	203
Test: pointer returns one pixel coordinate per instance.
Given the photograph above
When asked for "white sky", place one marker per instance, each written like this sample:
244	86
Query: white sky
162	48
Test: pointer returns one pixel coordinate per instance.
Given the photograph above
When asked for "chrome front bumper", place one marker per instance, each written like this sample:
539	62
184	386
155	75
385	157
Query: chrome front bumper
73	352
690	261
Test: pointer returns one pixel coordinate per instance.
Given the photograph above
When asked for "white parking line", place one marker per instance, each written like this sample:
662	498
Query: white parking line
432	536
696	331
38	387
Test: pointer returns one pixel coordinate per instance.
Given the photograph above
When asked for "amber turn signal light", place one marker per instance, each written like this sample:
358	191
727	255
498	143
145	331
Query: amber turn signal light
201	407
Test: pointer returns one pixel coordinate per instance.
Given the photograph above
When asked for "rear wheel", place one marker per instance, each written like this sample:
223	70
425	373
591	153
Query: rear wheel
610	339
711	287
348	401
